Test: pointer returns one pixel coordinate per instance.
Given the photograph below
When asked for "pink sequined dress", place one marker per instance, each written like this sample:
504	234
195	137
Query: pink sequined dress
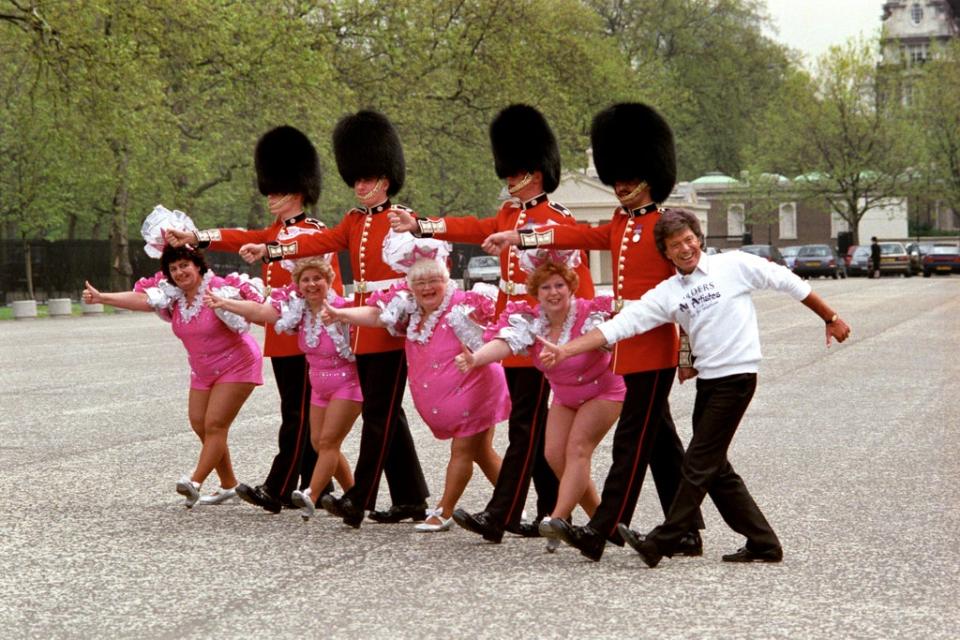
219	347
332	366
453	404
577	379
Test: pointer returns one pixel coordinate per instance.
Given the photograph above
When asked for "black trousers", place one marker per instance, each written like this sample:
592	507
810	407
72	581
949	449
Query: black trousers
717	411
293	465
386	445
645	435
529	396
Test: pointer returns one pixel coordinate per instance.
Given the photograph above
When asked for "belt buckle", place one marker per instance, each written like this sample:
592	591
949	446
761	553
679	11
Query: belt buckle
511	288
618	305
362	286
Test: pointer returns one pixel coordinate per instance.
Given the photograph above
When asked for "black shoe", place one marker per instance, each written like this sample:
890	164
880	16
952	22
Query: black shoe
639	543
259	496
526	529
746	555
690	545
585	539
352	514
331	503
481	523
399	513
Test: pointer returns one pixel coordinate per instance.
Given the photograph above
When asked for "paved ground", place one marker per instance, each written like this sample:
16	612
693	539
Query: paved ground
852	453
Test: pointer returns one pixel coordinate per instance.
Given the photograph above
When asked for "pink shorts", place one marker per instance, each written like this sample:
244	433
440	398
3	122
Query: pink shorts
328	384
608	386
243	363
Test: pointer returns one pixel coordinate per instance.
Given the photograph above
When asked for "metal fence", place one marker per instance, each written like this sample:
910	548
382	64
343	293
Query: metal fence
60	267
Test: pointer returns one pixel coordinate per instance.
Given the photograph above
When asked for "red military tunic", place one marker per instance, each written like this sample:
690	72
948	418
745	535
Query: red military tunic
512	215
638	267
274	274
362	231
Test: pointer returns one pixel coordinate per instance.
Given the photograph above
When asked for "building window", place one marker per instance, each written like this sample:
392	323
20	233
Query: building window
735	220
916	13
788	221
837	224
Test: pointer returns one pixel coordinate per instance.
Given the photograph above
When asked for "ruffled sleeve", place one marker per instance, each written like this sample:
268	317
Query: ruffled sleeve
161	295
515	326
288	303
236	287
469	316
395	304
598	310
339	332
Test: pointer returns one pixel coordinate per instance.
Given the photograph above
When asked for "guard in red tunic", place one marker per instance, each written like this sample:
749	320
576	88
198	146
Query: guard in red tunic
370	160
526	155
288	173
634	153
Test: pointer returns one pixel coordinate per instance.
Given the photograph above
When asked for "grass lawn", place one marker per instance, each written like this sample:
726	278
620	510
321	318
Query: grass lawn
6	312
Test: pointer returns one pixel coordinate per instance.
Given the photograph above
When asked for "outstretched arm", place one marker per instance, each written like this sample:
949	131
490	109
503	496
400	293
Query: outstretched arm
493	351
132	300
365	316
836	327
261	313
553	354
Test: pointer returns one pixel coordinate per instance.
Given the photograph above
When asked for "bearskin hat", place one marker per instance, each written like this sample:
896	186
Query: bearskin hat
523	141
631	141
366	145
287	162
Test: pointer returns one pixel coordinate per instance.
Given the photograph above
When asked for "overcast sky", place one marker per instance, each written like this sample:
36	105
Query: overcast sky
812	26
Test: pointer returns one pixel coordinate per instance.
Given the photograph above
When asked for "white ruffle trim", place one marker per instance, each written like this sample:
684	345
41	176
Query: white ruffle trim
468	331
524	329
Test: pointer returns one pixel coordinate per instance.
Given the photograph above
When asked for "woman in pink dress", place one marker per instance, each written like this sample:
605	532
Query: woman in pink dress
225	361
437	320
587	395
335	399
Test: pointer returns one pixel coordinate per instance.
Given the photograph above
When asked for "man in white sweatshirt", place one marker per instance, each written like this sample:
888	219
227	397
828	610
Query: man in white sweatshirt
710	298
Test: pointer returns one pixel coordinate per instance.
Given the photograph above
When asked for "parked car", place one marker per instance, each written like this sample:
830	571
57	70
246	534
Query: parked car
859	261
819	260
790	255
768	251
895	259
941	259
481	269
915	252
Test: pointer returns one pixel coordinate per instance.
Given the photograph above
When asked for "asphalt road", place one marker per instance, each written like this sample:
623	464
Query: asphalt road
853	453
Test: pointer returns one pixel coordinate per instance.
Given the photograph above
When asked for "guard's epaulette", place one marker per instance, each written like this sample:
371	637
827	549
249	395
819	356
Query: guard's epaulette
313	222
357	210
512	203
556	206
402	207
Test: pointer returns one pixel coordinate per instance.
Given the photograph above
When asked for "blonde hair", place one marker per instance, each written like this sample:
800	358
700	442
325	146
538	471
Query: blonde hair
313	262
426	267
543	273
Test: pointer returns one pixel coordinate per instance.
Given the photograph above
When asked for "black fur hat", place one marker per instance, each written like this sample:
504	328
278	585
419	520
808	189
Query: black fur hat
522	141
366	145
631	141
287	162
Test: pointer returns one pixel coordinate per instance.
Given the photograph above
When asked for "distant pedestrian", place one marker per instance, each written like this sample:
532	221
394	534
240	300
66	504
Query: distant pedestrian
874	257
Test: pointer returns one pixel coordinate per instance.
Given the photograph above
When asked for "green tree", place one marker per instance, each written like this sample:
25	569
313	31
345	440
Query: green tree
847	152
936	112
718	68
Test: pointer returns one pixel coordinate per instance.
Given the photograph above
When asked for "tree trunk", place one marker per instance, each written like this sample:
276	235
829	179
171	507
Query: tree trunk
121	271
71	226
28	267
256	213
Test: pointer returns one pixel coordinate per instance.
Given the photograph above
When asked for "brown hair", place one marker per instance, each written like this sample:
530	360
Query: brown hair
173	254
673	221
548	269
313	262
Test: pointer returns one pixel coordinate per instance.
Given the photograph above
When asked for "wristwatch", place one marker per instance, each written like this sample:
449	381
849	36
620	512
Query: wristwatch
832	319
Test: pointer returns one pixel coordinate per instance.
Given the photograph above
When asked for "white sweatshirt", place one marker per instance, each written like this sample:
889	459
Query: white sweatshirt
714	307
